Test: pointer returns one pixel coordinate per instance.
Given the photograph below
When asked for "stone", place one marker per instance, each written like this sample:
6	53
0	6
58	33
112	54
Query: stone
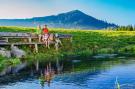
16	52
5	53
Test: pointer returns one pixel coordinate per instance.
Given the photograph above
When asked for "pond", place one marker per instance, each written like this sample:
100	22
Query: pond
80	74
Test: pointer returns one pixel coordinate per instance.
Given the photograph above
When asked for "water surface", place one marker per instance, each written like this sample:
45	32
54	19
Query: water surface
83	74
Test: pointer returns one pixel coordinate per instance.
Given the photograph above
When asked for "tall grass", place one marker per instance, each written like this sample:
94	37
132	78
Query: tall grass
85	43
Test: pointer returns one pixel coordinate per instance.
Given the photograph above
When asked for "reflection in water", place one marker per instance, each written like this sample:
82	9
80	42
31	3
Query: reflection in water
42	81
59	67
49	74
117	85
84	74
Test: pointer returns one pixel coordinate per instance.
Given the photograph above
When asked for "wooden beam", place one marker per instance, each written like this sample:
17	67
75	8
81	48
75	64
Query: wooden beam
30	40
71	39
19	37
21	43
6	39
39	38
11	45
36	48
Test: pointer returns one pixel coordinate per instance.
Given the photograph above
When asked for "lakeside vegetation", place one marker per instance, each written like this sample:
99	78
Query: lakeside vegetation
86	43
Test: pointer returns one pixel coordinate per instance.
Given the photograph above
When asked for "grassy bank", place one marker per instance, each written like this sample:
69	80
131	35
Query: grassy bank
85	43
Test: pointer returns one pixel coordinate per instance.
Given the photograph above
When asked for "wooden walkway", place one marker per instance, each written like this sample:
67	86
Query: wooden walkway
21	43
6	36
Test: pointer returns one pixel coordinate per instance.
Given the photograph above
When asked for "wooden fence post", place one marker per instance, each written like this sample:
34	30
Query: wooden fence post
36	48
12	45
71	39
29	39
7	39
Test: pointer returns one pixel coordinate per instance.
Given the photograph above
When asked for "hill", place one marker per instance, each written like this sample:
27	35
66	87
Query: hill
72	19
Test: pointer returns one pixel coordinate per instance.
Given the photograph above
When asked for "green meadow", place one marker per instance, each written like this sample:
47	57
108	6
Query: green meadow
86	43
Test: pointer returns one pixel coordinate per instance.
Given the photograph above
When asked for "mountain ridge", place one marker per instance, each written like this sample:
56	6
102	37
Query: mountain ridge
72	19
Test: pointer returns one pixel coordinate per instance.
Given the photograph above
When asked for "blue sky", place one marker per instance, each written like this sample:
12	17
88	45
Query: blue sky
121	12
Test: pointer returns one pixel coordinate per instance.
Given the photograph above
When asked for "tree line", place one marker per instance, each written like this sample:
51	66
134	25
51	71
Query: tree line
125	28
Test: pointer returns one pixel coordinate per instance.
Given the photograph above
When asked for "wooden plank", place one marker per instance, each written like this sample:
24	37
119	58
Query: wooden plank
64	36
14	34
32	43
3	41
20	37
61	36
